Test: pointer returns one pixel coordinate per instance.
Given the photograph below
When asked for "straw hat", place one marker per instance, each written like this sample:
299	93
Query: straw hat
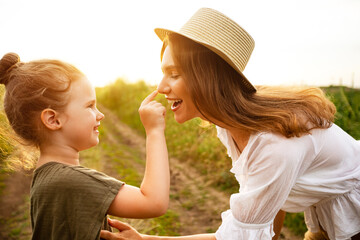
221	35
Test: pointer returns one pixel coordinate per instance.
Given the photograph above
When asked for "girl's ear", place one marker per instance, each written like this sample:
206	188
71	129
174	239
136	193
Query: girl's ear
49	118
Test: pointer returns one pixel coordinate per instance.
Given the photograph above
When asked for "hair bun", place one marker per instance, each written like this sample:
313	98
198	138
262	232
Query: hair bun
6	63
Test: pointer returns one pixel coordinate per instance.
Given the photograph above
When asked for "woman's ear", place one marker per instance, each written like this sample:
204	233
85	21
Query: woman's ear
49	118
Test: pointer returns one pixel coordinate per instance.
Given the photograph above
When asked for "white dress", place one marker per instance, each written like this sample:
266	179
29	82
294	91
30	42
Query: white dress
318	174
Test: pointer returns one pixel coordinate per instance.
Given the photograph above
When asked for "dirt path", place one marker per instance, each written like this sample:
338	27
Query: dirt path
14	207
196	203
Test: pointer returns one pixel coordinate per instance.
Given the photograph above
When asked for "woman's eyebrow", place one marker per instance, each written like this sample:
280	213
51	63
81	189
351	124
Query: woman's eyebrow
168	68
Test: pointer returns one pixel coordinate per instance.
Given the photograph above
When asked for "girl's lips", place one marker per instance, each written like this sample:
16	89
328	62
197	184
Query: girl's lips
96	128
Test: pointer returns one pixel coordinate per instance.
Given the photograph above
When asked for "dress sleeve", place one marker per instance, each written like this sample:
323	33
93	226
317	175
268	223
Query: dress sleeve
266	171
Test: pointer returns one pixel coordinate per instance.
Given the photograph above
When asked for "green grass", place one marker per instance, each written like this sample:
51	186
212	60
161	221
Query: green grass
295	222
3	175
18	225
347	101
6	142
167	224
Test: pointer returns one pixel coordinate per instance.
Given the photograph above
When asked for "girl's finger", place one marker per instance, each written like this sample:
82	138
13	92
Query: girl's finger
149	98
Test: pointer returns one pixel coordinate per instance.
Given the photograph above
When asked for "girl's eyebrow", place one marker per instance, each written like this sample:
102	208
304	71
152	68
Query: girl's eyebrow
90	102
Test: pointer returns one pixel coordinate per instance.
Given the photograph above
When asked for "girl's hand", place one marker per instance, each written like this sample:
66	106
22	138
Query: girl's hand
125	232
152	114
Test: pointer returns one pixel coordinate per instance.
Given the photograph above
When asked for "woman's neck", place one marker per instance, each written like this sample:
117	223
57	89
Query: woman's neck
240	137
60	154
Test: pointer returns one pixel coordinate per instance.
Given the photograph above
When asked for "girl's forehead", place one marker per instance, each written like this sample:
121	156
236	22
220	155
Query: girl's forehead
82	88
82	82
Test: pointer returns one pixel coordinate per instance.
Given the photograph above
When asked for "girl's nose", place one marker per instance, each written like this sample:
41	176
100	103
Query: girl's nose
163	87
100	116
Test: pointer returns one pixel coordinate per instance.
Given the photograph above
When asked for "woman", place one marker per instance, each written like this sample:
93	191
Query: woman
287	153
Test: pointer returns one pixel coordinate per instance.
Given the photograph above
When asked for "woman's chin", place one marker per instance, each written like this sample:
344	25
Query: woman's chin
180	120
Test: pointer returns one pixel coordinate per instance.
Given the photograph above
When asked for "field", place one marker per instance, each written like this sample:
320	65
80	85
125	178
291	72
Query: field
199	164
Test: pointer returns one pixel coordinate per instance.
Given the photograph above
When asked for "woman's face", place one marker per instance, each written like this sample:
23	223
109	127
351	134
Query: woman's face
174	88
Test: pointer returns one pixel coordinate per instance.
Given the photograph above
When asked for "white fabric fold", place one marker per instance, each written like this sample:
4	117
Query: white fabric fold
320	170
336	206
231	228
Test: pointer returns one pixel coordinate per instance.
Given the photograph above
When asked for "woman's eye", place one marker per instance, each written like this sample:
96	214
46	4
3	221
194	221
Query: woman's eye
175	76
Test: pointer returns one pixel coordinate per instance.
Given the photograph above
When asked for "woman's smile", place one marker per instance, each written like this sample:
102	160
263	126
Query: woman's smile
175	103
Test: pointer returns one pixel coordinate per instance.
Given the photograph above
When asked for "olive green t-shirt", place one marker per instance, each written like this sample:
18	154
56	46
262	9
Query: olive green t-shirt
70	202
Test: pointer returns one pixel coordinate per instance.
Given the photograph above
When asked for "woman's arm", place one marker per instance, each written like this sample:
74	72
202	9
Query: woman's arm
278	223
152	198
128	232
205	236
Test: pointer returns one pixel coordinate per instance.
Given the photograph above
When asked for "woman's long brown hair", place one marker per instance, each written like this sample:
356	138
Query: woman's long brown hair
217	92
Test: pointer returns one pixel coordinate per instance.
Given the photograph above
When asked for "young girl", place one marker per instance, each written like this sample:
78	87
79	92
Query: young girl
50	104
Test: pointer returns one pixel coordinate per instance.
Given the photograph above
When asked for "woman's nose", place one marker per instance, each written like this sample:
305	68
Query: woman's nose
163	87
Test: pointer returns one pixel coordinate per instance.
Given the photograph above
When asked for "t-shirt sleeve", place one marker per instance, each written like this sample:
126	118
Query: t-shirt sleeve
266	176
92	193
75	200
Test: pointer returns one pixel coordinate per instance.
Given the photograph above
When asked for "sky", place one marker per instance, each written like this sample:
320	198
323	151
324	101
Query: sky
297	42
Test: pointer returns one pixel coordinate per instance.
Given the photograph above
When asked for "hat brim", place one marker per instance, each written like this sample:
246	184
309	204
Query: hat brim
162	33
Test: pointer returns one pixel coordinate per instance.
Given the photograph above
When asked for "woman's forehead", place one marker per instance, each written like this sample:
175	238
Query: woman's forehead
167	60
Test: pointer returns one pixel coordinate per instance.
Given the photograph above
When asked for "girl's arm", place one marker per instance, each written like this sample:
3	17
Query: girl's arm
152	198
128	232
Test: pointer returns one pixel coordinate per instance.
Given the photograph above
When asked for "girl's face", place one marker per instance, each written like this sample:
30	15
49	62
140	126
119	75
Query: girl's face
81	118
174	88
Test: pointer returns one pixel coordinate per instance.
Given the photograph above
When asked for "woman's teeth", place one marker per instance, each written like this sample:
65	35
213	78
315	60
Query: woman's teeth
176	104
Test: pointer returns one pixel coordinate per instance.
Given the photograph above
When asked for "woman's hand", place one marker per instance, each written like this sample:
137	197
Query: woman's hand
128	232
125	232
152	113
